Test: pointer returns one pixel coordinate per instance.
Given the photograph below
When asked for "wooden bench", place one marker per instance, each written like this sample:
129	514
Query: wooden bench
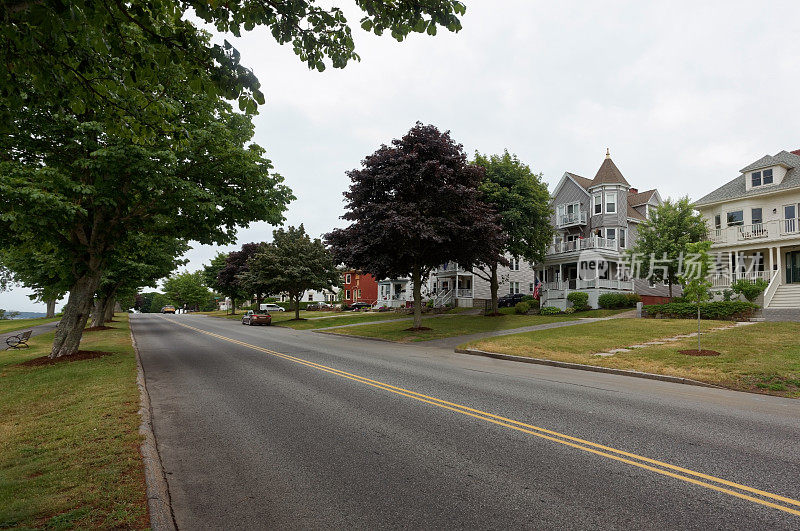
19	340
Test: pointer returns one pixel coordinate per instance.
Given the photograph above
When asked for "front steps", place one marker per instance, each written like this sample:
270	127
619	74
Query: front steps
787	296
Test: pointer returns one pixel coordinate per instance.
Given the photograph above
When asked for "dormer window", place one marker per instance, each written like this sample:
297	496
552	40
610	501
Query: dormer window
759	178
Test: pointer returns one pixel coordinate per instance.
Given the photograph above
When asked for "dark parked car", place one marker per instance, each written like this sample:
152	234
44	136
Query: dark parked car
360	305
256	318
317	306
509	300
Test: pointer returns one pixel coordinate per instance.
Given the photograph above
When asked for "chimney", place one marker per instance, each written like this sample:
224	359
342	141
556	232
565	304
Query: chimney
633	191
796	151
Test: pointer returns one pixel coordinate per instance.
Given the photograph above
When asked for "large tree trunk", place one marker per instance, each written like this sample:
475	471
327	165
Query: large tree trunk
98	311
494	286
76	313
233	306
416	279
108	313
297	306
51	308
669	281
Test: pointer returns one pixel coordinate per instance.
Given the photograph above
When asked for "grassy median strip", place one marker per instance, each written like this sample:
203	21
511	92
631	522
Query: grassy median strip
449	326
763	357
69	442
11	325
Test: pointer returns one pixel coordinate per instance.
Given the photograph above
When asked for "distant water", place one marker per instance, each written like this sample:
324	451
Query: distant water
29	315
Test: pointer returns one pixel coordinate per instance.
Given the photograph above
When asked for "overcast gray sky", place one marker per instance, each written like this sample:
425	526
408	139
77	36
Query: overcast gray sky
683	94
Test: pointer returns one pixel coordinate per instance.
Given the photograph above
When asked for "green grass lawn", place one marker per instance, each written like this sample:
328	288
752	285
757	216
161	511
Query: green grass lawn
340	318
69	442
764	357
10	325
449	326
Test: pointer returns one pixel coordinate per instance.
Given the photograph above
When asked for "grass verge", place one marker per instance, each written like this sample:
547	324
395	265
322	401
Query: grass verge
11	325
69	442
763	357
450	325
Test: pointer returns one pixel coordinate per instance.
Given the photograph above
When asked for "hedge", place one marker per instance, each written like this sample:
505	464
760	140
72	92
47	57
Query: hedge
549	310
579	300
720	310
613	301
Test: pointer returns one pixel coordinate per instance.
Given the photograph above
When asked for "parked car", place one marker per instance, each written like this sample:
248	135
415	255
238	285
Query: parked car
316	306
509	300
256	318
269	307
360	305
168	309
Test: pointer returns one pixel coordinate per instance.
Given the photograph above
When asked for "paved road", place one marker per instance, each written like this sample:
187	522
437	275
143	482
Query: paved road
35	331
266	432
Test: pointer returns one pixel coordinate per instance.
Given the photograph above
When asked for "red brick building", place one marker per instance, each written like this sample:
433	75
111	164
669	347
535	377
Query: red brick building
358	287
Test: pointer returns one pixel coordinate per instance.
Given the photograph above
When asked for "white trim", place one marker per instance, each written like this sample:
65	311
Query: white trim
561	183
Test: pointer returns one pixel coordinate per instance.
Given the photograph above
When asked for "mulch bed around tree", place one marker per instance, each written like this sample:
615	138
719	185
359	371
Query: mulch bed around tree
96	328
420	329
79	356
695	352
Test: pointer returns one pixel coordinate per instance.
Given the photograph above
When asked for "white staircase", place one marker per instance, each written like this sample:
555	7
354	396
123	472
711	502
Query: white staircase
787	296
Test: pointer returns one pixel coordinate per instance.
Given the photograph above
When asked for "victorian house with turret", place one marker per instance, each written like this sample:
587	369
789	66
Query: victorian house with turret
595	222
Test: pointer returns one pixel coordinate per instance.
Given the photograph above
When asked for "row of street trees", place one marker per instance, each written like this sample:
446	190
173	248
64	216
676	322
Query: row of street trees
418	203
117	135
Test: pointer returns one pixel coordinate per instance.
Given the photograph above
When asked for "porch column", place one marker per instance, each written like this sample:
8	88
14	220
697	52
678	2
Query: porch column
778	261
561	273
731	265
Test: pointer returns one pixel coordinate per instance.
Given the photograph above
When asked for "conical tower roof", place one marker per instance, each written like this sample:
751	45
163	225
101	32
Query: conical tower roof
609	174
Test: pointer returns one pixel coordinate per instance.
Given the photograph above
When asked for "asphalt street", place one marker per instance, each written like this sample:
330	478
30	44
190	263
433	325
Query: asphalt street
267	427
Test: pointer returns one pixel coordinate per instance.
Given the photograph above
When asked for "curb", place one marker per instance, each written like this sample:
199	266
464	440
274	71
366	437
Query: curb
323	331
592	368
158	500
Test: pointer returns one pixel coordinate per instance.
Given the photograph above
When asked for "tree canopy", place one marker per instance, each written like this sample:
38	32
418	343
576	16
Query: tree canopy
187	289
293	263
413	206
521	200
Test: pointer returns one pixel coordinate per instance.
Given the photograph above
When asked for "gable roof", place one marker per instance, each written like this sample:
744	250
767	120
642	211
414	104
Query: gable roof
583	182
635	214
609	174
736	188
641	198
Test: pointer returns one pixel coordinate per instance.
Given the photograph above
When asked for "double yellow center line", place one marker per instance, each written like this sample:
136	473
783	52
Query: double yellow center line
731	488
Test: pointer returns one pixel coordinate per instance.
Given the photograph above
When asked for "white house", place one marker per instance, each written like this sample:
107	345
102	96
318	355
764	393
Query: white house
754	221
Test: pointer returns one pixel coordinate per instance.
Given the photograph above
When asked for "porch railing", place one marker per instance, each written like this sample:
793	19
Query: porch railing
464	294
724	280
577	218
752	232
598	283
772	288
717	235
790	226
594	242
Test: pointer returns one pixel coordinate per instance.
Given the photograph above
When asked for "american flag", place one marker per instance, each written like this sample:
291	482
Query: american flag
537	288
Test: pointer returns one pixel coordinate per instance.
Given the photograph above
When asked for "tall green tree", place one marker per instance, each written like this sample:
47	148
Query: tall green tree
413	206
664	238
70	186
109	56
187	290
226	274
521	200
696	286
293	263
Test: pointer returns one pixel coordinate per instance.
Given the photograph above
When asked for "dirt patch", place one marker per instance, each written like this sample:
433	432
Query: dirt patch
98	328
695	352
79	356
420	329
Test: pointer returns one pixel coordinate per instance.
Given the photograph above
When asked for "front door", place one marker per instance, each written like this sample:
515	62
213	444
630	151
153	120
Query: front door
793	267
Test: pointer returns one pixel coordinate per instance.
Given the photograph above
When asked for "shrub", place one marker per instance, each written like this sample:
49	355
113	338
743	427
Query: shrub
727	294
345	307
722	310
632	299
535	303
522	308
549	310
579	300
750	290
528	298
613	301
569	311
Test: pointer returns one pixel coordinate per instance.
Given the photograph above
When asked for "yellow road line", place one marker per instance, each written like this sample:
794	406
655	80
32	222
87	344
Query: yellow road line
544	433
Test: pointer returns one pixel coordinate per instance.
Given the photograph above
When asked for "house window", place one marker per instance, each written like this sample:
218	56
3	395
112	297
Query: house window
789	212
513	288
611	234
756	178
718	221
767	177
515	264
347	294
347	279
359	294
310	297
622	237
611	202
530	287
756	216
598	203
735	218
